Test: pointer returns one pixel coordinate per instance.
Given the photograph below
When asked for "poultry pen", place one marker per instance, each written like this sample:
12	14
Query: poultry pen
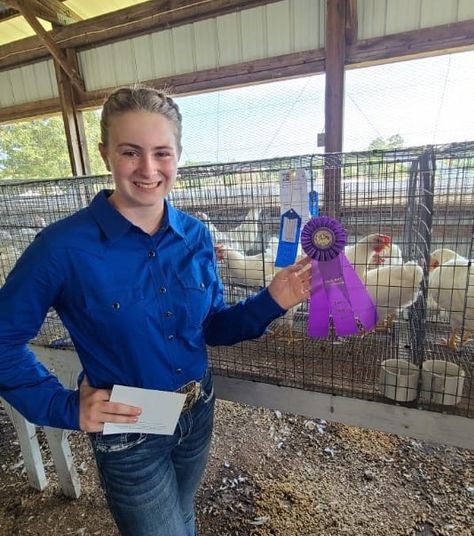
421	198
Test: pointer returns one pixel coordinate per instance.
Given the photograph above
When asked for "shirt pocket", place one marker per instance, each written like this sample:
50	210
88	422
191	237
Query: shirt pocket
115	307
197	288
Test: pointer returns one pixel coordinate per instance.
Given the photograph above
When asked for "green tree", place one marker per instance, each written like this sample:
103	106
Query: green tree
380	144
380	166
92	130
38	149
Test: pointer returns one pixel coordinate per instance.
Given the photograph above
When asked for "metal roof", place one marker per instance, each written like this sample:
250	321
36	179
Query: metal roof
16	27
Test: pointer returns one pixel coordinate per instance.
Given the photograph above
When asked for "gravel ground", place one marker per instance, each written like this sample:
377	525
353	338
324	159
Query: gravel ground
272	475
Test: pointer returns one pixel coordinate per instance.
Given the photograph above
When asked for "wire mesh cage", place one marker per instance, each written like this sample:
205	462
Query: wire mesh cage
26	207
420	353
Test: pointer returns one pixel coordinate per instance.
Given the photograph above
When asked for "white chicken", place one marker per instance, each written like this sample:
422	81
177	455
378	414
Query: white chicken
361	253
248	231
437	258
243	237
393	288
249	270
451	286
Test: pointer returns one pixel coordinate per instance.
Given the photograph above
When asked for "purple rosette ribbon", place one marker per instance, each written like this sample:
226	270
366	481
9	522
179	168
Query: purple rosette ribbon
338	296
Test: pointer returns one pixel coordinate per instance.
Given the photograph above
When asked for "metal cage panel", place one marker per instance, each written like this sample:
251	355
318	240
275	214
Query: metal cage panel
421	197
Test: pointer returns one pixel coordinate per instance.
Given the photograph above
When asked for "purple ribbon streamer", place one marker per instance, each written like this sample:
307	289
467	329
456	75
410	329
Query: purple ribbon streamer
337	292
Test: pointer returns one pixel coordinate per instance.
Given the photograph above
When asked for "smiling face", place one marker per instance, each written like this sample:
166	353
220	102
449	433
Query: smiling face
142	153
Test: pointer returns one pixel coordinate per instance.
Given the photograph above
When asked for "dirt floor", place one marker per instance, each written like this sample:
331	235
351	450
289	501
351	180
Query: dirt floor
272	475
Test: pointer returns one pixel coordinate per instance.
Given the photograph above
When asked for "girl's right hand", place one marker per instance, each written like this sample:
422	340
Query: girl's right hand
95	409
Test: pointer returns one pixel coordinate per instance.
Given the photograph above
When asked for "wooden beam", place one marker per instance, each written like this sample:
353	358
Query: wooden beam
416	43
334	101
72	119
136	20
335	60
57	53
51	10
7	14
351	22
54	11
29	110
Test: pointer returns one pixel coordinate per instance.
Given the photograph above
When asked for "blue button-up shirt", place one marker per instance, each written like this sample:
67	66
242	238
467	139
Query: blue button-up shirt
140	309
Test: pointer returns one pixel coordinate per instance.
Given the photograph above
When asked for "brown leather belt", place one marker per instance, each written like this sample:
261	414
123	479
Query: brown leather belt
193	392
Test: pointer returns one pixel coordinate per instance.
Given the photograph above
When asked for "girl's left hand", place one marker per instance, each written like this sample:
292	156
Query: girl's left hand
292	285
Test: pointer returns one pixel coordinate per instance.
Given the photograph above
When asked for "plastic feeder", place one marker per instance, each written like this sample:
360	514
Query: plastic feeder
399	380
442	382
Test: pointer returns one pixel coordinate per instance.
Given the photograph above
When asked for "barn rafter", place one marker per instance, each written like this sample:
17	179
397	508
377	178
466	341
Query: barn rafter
51	10
27	8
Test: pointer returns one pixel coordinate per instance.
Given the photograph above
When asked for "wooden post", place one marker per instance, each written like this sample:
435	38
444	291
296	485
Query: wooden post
30	448
66	366
334	102
63	461
73	120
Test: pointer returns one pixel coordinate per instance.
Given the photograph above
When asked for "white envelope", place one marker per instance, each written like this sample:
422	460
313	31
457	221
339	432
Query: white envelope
160	410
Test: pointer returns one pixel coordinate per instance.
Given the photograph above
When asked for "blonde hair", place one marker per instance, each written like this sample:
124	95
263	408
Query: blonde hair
140	98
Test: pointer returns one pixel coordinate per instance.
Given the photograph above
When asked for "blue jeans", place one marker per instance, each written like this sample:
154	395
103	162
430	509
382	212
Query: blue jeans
150	481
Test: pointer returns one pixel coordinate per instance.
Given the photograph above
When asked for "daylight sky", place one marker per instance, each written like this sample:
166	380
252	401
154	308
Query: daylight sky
427	100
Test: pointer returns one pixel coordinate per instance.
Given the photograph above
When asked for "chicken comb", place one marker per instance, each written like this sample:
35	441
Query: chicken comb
383	242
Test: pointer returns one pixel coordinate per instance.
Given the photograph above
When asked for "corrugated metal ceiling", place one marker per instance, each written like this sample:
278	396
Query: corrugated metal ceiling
17	28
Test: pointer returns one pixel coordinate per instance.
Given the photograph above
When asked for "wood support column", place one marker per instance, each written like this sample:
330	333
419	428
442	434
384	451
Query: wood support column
73	120
334	102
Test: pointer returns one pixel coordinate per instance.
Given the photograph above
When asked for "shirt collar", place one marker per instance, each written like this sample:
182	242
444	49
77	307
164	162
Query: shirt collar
174	219
114	225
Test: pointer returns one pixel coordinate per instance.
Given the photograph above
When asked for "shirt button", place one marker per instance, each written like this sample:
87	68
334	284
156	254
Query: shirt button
162	290
168	313
202	285
179	370
170	337
116	305
151	254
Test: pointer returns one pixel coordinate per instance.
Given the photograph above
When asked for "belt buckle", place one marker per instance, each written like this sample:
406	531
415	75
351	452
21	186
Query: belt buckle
192	390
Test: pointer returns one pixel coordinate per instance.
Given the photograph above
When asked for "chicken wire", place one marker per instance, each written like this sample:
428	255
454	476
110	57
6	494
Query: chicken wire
420	197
